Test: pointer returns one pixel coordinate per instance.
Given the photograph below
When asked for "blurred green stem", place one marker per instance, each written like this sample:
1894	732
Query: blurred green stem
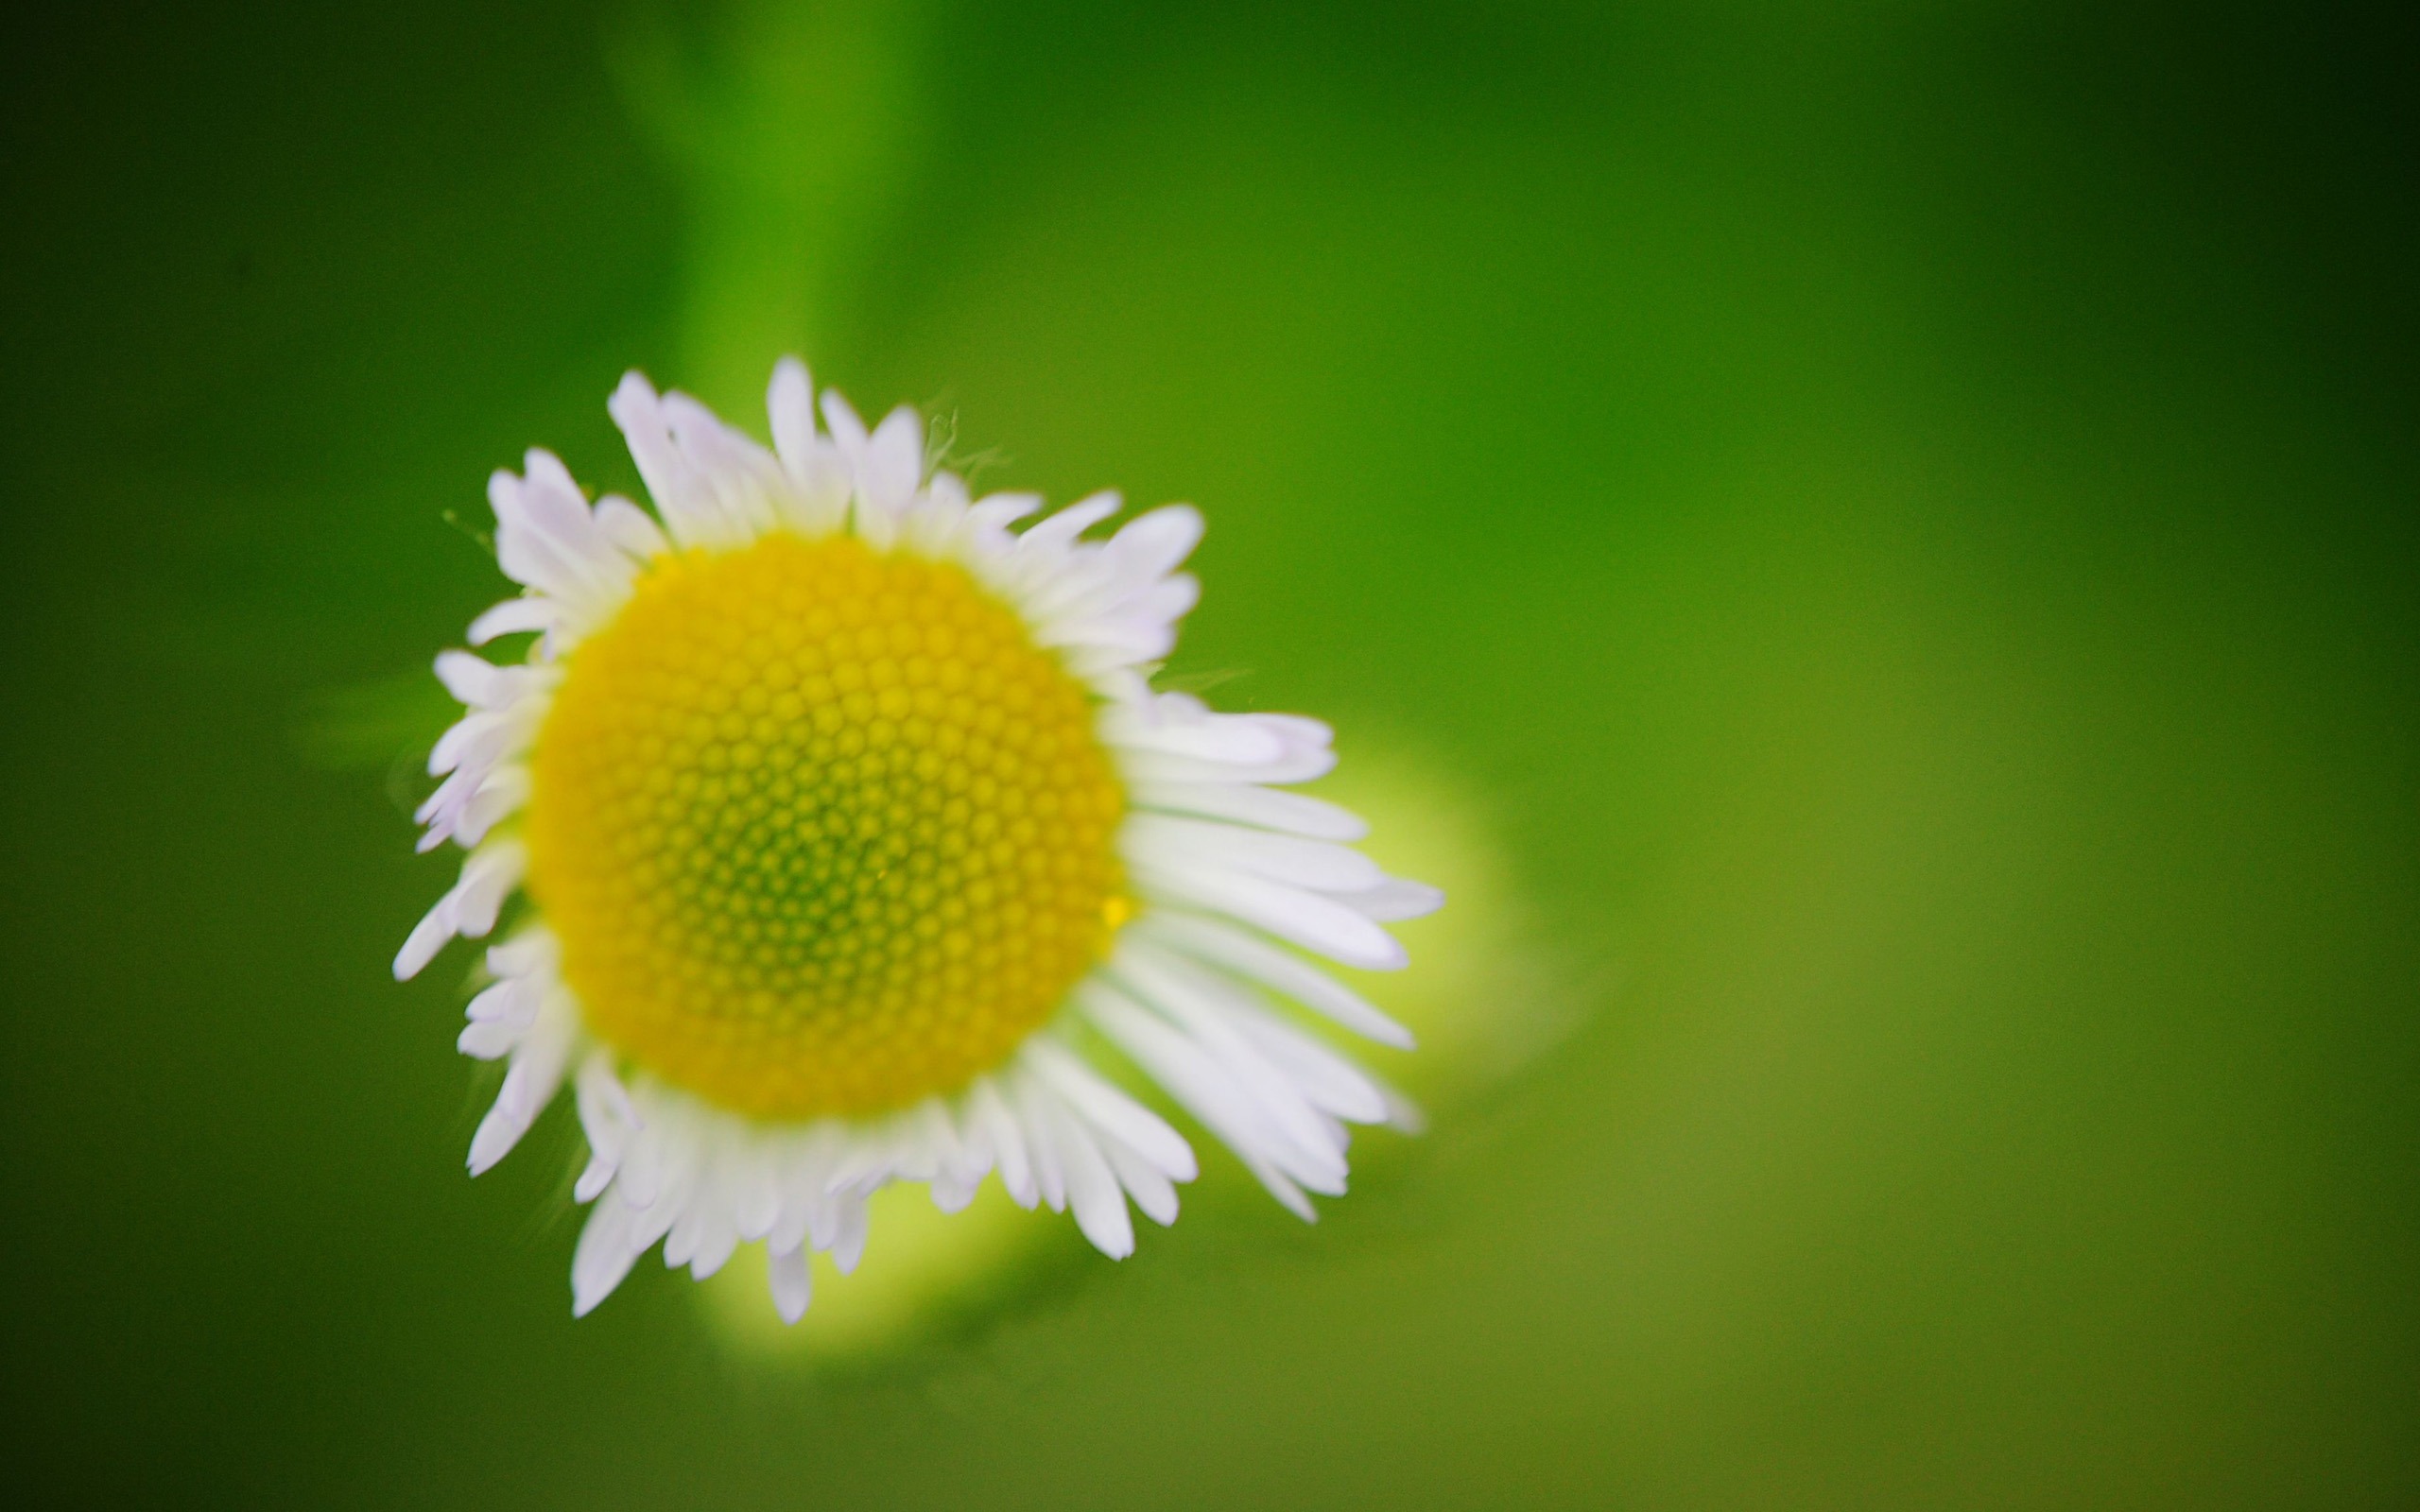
794	131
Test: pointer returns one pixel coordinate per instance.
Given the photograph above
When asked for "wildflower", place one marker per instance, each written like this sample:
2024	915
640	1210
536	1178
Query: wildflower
848	835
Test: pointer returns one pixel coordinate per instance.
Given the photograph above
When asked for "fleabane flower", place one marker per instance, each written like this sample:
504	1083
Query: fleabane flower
841	831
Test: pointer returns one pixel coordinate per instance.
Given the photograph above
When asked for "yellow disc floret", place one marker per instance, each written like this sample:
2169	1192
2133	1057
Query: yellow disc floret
821	831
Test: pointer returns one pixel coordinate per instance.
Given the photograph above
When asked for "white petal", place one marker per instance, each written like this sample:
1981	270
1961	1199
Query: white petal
894	461
756	1193
1151	1191
802	1163
1328	1081
536	1071
555	504
1307	919
948	1152
490	1039
1224	945
849	1243
488	877
547	538
511	1000
1394	897
1093	1192
1164	603
989	517
630	528
473	735
641	1182
1197	1082
499	798
1238	740
721	1236
603	1256
1166	840
1247	803
531	952
467	908
1110	1111
1058	532
1301	764
514	616
1007	1138
848	432
606	1117
1207	1007
789	406
690	511
1049	1176
742	476
1150	546
787	1276
470	679
427	937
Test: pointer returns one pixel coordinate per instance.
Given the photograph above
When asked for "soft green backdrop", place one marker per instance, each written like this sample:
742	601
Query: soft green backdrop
1901	515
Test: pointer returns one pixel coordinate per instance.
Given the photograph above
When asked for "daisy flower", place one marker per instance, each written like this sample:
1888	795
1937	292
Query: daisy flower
846	842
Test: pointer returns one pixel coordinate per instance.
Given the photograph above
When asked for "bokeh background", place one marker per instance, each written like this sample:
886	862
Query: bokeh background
1888	529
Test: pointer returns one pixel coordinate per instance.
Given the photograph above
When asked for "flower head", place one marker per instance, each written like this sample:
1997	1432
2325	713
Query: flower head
838	808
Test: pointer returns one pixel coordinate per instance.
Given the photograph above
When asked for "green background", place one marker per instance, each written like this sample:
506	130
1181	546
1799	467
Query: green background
1902	514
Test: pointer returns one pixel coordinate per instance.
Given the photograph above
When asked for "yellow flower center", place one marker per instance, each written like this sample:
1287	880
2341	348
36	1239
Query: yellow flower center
821	831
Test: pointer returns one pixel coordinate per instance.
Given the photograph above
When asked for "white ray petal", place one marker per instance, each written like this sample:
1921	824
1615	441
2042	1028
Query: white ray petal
692	515
1206	1005
1325	1079
787	1276
1049	1176
1151	544
894	460
789	406
1093	1193
1247	956
529	1084
849	1242
1006	1136
467	908
1152	1191
630	528
1203	1087
1266	807
1168	840
606	1251
1083	1090
1059	531
514	616
1394	897
1294	913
